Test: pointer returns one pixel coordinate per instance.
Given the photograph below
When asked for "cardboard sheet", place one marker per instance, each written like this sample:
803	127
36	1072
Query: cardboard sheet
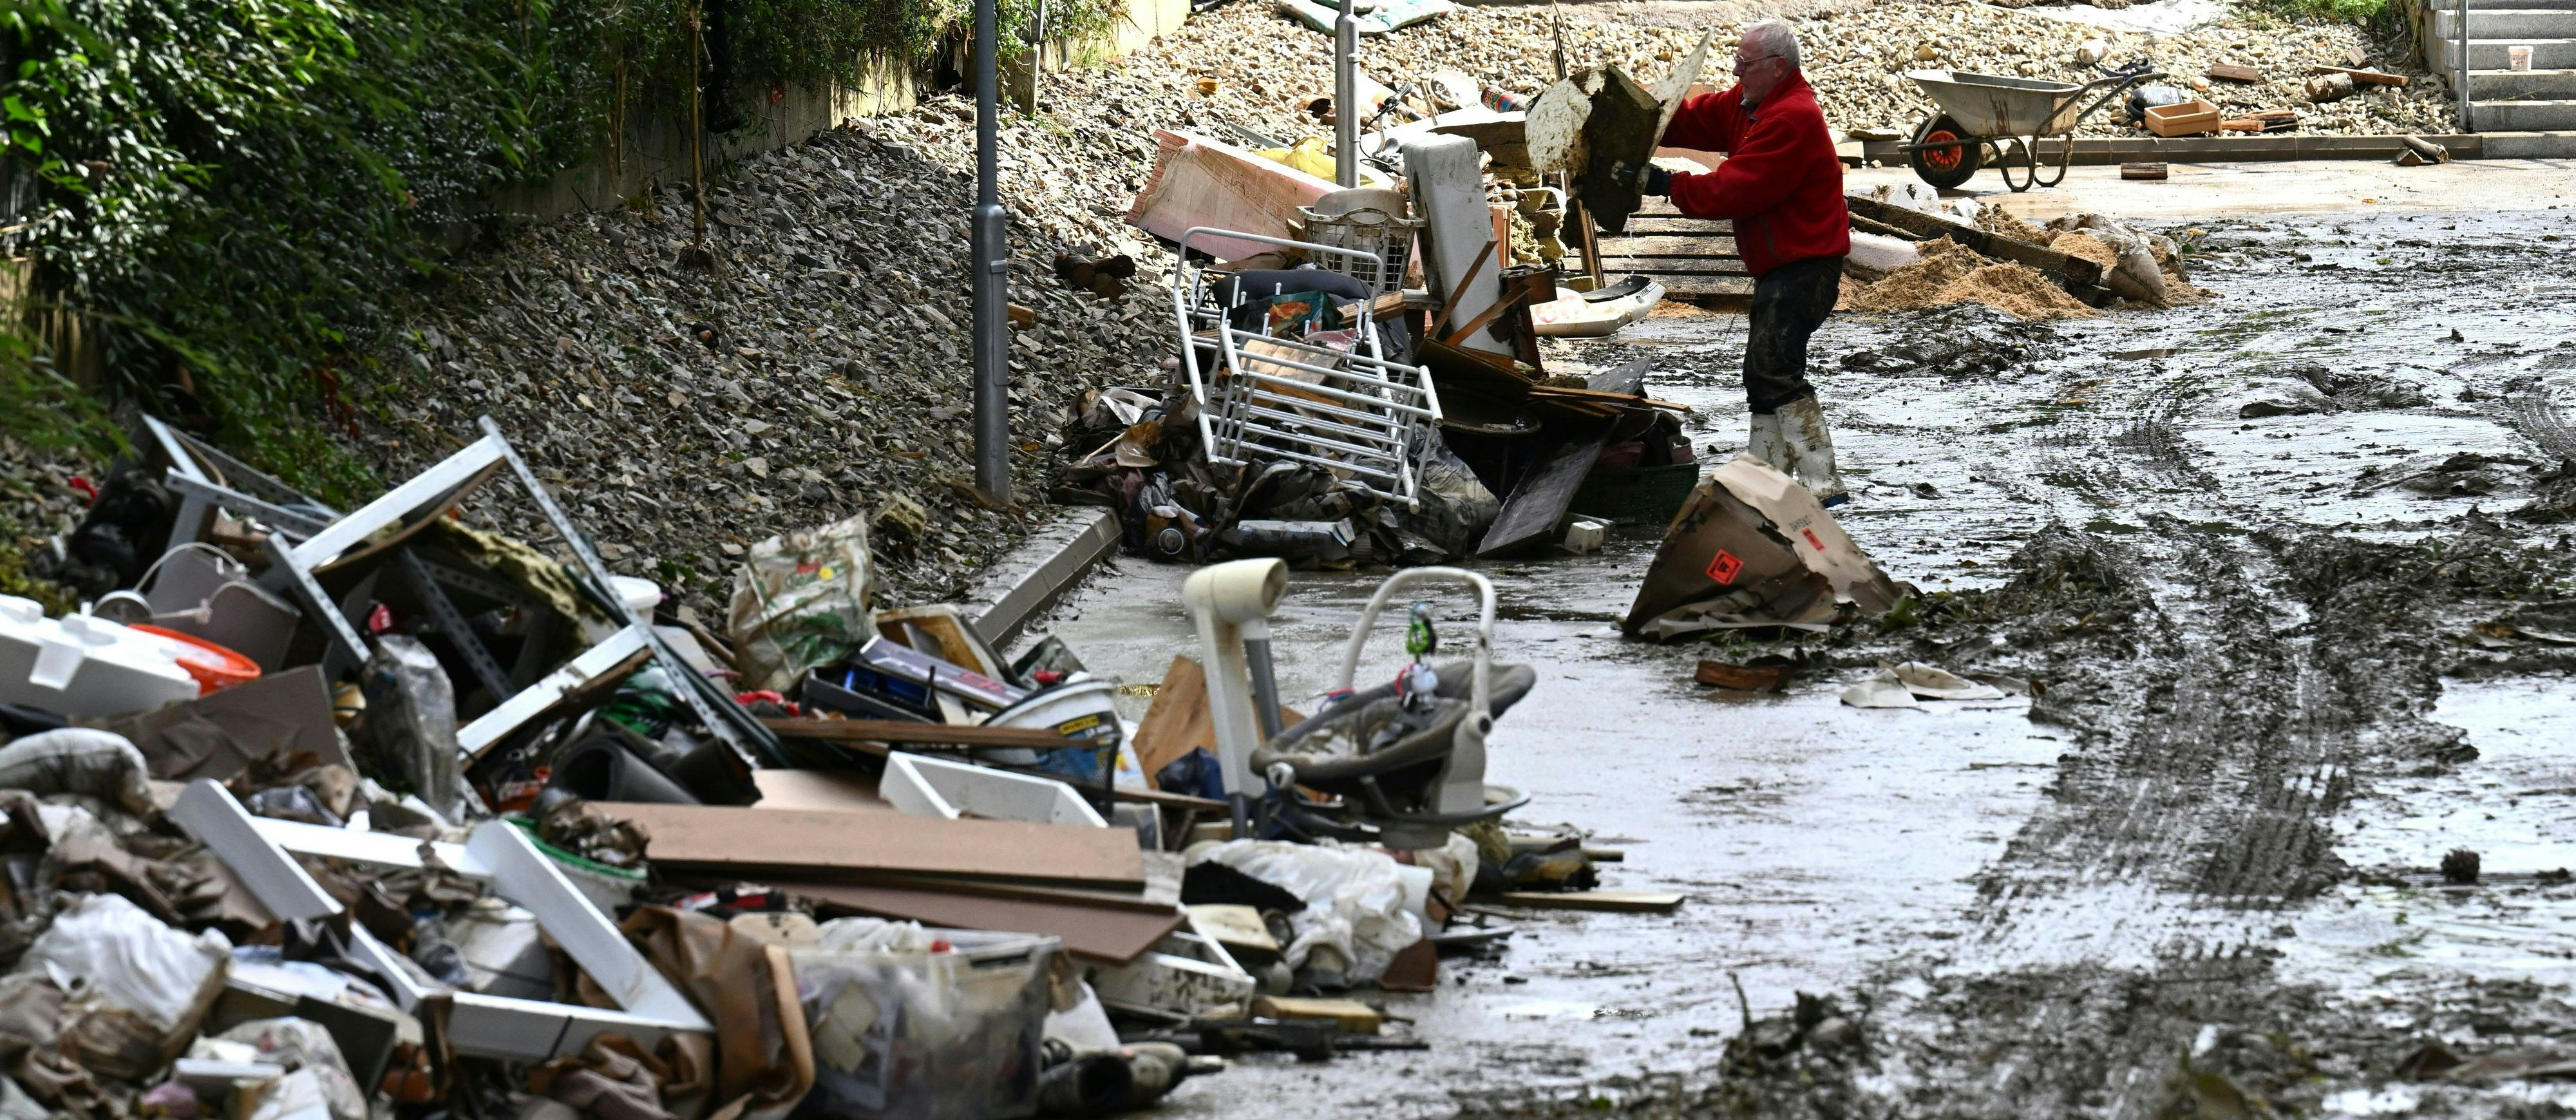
1203	182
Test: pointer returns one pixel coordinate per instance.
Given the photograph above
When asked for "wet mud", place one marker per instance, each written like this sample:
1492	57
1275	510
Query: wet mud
2232	671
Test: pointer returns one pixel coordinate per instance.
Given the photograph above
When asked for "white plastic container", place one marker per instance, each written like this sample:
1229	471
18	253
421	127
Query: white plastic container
2518	56
935	787
83	666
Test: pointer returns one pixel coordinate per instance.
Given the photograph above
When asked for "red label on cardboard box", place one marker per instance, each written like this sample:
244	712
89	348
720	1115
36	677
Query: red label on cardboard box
1724	567
1811	539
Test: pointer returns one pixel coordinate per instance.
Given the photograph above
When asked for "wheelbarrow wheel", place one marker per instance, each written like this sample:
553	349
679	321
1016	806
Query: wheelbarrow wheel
1938	161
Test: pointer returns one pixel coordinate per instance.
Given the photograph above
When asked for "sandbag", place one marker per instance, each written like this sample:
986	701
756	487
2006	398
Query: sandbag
100	764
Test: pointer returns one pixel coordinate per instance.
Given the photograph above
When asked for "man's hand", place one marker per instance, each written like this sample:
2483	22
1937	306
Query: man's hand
1658	182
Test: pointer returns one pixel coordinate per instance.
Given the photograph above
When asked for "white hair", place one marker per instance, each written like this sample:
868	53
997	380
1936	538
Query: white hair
1772	38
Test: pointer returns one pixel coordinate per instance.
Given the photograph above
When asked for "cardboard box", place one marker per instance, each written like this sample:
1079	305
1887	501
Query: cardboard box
1753	548
2190	118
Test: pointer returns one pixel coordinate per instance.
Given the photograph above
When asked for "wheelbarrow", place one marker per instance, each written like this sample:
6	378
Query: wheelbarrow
1981	113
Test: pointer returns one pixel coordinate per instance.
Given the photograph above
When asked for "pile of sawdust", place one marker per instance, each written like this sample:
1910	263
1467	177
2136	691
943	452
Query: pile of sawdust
1992	219
2075	243
1952	273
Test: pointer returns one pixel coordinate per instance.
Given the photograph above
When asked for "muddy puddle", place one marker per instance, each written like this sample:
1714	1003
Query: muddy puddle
2245	545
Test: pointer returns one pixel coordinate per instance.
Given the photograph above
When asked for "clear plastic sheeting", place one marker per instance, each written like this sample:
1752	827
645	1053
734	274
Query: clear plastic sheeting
801	600
1355	898
916	1024
409	733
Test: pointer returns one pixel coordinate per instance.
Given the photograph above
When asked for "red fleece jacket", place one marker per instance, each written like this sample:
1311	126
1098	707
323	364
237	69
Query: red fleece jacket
1781	181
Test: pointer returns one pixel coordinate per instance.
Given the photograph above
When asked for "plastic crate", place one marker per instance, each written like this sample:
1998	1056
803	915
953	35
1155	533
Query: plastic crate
1635	495
1369	230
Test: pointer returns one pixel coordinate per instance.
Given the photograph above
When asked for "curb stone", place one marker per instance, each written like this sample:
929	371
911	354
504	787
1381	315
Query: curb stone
1053	558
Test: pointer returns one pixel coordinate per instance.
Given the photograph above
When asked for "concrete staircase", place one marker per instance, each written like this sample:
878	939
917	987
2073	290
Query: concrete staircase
2541	99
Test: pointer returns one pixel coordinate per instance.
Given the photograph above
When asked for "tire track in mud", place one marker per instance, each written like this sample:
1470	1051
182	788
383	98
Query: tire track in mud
2126	914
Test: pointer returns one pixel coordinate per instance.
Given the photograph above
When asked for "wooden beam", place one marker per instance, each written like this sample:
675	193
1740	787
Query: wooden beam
906	731
2078	269
2366	77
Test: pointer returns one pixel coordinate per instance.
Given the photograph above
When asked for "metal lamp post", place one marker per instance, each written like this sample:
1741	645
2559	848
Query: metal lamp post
991	262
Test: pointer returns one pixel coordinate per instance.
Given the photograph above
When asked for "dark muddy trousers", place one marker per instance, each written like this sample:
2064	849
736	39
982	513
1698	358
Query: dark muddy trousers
1789	303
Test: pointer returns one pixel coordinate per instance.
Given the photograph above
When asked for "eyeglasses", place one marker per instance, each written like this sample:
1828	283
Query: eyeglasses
1741	62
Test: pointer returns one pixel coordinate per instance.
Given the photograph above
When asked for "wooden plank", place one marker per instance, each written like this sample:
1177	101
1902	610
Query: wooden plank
1707	285
1653	224
1530	516
1625	902
1626	377
1868	225
830	845
2367	77
1178	721
2078	269
1669	245
2229	72
1115	936
906	731
1661	266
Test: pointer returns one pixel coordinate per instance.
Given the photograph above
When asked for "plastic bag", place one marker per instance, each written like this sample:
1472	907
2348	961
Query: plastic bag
919	1035
135	988
799	601
1355	898
409	737
102	764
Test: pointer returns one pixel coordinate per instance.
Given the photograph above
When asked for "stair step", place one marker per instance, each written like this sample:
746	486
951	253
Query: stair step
2504	5
2489	54
2522	85
2523	116
2506	23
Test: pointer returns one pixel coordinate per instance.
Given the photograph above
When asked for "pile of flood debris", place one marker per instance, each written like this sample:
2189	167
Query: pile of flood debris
383	811
1357	375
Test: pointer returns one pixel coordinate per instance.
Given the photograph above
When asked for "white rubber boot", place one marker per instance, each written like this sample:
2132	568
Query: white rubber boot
1765	442
1810	450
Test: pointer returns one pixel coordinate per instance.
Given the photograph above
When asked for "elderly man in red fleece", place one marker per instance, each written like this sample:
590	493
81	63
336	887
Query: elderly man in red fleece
1783	186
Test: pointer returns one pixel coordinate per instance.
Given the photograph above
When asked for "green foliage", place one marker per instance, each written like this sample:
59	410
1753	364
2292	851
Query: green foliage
243	193
2384	18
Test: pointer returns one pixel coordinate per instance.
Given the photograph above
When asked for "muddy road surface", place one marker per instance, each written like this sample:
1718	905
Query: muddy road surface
2293	573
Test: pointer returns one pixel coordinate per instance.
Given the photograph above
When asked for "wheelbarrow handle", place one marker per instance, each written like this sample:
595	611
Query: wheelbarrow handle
2119	85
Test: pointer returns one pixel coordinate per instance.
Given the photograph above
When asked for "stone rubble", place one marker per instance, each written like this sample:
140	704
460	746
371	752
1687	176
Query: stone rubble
823	368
